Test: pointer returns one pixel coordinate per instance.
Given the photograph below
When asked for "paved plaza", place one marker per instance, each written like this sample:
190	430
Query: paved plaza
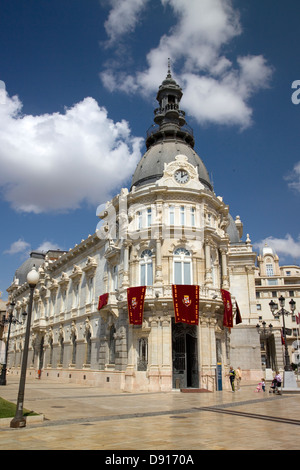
81	417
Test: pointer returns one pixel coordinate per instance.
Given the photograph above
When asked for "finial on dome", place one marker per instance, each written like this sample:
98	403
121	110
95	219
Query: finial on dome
169	68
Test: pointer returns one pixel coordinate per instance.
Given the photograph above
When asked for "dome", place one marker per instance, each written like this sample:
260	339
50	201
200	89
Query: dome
267	250
36	259
151	166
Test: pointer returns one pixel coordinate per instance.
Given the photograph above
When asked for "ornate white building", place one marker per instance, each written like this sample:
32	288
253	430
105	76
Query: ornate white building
168	228
271	282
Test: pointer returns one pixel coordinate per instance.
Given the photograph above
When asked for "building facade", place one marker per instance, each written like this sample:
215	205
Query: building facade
169	228
271	282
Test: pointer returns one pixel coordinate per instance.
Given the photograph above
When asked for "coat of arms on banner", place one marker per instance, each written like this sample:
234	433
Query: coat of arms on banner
186	300
134	302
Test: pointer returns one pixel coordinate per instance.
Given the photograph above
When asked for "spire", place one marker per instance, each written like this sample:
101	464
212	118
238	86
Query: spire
169	68
168	117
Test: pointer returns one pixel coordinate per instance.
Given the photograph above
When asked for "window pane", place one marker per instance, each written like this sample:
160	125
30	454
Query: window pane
148	217
143	275
182	218
149	275
177	273
172	211
193	217
187	273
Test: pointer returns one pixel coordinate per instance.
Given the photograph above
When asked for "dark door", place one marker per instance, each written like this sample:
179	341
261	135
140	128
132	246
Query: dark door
185	355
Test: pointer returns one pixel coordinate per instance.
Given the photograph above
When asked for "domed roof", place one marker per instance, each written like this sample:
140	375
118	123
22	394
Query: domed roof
151	166
169	137
36	259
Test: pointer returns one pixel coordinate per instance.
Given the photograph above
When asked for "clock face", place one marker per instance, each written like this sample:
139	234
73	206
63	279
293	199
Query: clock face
181	176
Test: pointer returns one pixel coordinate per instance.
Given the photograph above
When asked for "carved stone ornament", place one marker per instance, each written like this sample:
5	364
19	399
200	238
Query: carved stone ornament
180	163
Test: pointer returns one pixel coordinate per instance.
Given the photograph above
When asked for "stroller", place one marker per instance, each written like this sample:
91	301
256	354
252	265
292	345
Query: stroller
275	387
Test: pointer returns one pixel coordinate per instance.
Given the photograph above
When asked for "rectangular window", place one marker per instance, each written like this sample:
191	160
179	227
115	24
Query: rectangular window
193	221
91	290
269	269
182	215
143	275
115	278
172	215
149	217
139	220
149	274
187	273
177	273
76	296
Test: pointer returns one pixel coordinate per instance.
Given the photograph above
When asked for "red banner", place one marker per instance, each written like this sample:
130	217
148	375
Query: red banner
103	299
135	301
228	317
238	318
186	303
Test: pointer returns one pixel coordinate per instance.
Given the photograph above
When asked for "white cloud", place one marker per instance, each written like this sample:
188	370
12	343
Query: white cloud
123	18
287	247
294	178
216	90
23	248
55	162
20	246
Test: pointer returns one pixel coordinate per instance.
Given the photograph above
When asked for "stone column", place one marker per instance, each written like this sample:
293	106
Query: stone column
153	373
225	280
130	369
158	267
125	281
208	272
166	369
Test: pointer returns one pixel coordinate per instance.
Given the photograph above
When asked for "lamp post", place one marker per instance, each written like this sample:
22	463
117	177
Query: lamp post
282	312
11	319
19	421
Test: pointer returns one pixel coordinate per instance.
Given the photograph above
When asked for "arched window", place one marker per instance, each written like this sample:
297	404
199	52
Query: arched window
182	266
146	270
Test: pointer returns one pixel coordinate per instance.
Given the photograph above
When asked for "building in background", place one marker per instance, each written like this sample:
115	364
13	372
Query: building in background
169	229
271	282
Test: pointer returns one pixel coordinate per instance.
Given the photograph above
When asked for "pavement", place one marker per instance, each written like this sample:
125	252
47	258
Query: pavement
80	417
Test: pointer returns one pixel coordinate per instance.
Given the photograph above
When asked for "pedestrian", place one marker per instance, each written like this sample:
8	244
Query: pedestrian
278	378
259	387
263	384
232	377
238	375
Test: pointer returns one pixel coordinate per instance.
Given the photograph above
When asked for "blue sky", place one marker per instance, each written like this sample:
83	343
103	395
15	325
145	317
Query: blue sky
77	93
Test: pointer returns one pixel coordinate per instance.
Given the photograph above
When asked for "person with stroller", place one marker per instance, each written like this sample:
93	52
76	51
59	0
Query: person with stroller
276	383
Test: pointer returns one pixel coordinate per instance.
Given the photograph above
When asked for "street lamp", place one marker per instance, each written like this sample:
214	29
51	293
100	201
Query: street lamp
262	330
19	421
282	312
11	319
265	332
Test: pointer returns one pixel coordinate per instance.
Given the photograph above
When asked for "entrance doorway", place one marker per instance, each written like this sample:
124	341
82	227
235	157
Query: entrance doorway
185	355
